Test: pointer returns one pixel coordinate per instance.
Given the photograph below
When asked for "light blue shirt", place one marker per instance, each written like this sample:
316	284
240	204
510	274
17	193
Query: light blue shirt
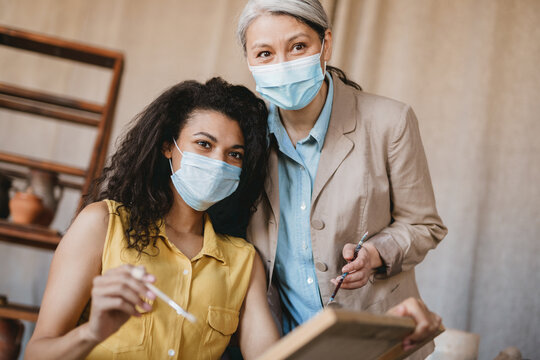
294	267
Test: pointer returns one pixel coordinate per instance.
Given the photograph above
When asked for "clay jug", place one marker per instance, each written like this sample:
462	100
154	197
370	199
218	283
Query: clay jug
11	332
44	184
25	207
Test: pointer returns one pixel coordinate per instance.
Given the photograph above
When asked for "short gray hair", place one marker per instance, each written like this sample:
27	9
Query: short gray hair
310	12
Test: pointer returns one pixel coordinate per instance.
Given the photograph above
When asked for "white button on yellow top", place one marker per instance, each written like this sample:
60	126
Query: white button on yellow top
186	271
171	352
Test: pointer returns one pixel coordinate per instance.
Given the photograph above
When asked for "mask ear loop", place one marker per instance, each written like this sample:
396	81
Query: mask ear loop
322	50
170	159
175	144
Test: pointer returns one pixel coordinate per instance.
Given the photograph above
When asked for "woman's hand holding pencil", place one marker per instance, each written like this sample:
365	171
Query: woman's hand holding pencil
362	259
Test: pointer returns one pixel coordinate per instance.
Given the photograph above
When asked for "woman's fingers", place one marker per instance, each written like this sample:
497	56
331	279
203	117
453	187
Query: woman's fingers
348	251
359	270
353	280
354	285
119	283
124	274
427	322
124	280
121	291
118	304
361	261
115	297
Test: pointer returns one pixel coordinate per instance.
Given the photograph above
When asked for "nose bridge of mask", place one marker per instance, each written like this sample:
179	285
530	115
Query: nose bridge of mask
197	160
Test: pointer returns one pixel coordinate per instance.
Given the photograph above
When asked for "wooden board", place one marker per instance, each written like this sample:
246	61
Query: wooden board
344	334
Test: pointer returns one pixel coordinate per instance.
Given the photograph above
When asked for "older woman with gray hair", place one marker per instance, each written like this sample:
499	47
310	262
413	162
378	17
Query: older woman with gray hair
342	163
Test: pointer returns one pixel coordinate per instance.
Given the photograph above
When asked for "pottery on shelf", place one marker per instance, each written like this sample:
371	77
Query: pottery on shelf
43	184
11	332
26	207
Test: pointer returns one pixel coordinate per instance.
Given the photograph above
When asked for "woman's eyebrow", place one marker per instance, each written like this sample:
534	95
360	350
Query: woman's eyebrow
259	45
297	35
211	137
263	44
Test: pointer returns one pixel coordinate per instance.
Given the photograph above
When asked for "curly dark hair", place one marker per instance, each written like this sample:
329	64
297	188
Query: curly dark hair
138	174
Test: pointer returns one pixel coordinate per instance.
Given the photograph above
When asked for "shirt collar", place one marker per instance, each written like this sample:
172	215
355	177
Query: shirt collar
318	132
210	241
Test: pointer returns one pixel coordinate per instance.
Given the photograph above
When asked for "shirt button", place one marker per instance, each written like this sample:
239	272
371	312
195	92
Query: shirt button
304	246
303	206
186	271
310	280
171	352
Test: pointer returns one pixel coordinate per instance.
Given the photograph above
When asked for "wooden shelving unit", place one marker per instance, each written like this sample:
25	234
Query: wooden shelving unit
18	311
31	235
56	108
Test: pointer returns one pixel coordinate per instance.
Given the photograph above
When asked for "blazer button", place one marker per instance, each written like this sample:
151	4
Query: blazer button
317	224
322	267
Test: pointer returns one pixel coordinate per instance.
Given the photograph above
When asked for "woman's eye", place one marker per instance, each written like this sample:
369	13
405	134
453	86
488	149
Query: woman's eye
299	47
263	54
236	155
204	144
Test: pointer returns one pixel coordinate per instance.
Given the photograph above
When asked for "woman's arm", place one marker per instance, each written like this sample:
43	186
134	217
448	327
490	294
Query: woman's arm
416	226
73	279
257	331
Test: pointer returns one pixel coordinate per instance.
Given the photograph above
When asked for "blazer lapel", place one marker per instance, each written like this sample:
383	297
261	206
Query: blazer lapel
336	145
272	183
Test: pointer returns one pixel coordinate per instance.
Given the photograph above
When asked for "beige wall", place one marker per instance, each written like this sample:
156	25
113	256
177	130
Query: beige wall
468	67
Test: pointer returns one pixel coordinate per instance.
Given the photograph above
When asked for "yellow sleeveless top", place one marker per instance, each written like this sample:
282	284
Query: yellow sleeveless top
211	286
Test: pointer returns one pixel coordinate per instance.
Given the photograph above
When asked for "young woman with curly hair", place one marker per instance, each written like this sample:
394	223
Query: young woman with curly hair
195	146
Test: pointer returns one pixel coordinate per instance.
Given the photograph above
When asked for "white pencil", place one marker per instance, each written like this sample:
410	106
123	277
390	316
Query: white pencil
138	273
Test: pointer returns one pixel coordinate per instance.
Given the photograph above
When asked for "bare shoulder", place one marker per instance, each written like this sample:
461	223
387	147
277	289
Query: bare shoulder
76	261
88	231
97	213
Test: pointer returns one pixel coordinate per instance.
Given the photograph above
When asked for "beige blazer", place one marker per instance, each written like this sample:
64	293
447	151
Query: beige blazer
372	176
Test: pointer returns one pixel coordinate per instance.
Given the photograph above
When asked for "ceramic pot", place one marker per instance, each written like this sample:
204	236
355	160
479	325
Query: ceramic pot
26	208
5	184
43	184
11	332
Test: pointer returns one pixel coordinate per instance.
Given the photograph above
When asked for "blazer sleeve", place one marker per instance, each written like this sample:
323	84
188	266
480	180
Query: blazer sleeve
415	227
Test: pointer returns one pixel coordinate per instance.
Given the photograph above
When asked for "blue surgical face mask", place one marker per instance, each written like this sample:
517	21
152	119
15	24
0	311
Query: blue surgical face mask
202	181
290	85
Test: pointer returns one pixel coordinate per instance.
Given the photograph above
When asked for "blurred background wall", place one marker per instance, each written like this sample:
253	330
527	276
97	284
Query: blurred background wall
469	68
